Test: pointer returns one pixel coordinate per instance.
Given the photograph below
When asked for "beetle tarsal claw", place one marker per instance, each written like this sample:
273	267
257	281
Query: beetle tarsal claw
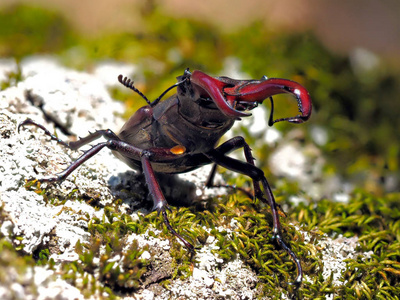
178	149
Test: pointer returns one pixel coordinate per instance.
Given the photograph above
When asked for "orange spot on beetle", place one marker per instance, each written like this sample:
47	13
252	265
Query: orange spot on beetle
178	149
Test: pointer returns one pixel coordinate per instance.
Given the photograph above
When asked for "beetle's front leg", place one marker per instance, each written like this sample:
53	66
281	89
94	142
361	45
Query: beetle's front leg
160	203
248	168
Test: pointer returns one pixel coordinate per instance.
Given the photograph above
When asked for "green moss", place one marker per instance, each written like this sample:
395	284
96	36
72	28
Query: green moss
375	221
107	263
243	228
43	257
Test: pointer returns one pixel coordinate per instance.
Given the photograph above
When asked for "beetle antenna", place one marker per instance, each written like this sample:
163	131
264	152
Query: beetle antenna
127	82
166	91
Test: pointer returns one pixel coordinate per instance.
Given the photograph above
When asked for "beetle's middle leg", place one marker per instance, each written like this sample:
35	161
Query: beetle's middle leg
249	169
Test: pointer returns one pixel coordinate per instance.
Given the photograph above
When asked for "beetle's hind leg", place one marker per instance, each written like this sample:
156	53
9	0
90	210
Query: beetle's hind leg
112	141
248	168
107	134
46	131
227	147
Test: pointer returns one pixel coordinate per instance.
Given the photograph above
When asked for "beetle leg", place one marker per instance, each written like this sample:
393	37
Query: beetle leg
130	151
113	143
210	183
160	203
117	145
210	179
84	157
107	134
227	147
258	177
46	131
237	143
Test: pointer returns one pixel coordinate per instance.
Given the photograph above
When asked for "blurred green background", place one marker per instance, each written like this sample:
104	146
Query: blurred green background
346	54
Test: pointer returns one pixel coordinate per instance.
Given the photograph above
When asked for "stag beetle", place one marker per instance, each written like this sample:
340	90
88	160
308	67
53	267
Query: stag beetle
181	134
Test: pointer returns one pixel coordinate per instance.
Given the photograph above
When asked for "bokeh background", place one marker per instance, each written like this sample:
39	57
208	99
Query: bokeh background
347	54
340	26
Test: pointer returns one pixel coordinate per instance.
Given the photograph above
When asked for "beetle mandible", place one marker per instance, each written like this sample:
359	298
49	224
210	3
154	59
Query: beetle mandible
181	134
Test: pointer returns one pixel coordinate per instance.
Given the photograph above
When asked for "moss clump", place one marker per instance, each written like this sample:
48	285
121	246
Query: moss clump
108	262
375	221
243	228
